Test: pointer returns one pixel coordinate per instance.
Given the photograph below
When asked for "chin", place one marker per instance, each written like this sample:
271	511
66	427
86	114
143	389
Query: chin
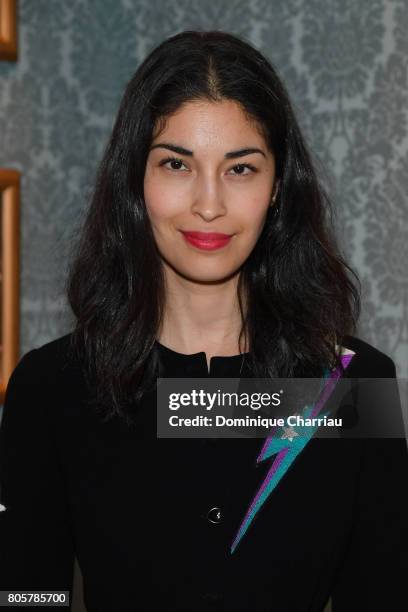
207	276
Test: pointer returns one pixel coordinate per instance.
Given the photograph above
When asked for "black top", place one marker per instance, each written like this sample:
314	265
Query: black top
151	521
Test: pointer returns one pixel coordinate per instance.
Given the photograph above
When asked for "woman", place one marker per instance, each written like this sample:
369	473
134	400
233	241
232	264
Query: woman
206	252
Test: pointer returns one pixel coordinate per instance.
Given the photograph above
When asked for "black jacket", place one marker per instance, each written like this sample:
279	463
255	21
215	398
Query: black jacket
137	511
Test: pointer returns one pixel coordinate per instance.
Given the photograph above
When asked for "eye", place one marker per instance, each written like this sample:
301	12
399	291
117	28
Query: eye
238	168
242	167
173	161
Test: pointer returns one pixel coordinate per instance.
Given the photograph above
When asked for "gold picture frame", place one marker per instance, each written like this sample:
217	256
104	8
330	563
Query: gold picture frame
8	30
9	275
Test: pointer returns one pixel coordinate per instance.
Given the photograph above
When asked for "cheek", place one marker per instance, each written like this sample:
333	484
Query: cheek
161	203
254	217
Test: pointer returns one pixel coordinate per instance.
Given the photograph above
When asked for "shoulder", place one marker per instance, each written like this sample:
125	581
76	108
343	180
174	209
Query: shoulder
41	378
368	361
49	363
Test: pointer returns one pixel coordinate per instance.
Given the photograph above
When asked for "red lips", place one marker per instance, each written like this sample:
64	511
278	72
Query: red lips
207	240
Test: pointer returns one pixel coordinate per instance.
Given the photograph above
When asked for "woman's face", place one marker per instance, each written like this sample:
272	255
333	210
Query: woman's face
209	171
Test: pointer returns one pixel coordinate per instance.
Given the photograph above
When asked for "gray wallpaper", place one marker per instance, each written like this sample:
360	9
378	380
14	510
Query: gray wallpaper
344	63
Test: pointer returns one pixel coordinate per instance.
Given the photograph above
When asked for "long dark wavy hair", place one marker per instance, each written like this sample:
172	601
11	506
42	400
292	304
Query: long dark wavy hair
301	298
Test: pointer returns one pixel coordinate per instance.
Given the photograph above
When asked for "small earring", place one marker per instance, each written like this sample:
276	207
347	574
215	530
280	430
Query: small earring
273	199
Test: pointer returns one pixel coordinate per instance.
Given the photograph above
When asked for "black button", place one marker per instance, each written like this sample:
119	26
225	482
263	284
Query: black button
214	515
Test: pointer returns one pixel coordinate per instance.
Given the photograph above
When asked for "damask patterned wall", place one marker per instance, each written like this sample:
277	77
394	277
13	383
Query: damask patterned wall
344	63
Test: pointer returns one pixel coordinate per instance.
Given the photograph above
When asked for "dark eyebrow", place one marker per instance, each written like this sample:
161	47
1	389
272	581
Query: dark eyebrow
183	151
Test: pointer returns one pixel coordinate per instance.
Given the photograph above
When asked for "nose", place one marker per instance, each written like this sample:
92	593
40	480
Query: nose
208	201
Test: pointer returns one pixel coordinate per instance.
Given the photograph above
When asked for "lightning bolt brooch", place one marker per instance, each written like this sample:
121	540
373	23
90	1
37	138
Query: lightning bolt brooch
287	447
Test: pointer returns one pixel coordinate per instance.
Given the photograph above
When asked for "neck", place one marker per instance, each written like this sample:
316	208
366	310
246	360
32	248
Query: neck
201	316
